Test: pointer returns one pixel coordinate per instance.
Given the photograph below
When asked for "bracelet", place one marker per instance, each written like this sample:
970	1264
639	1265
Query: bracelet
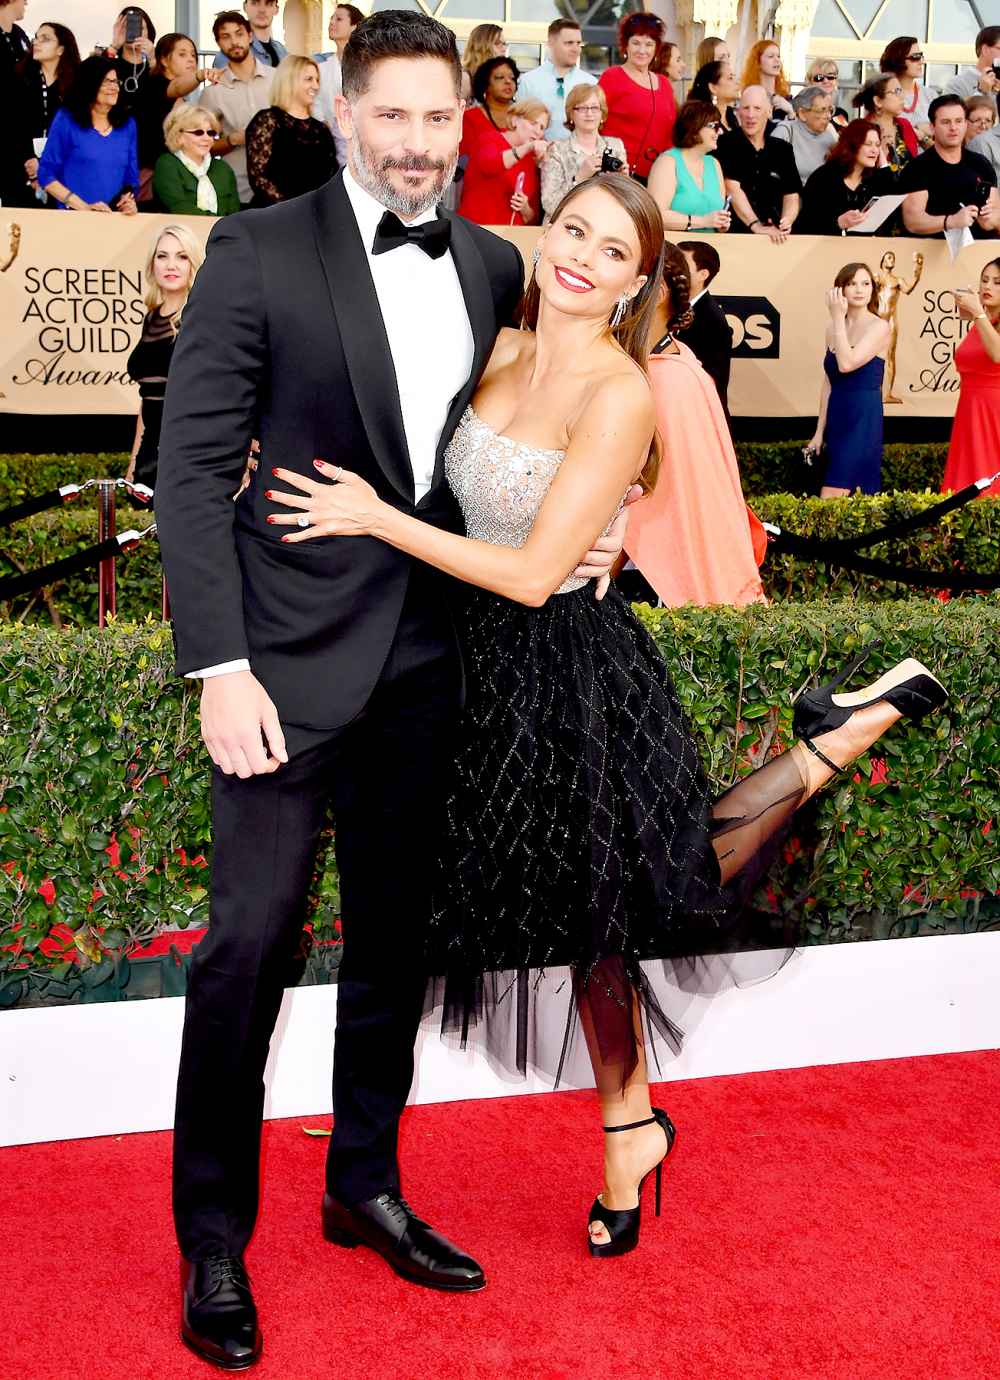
688	226
753	223
945	225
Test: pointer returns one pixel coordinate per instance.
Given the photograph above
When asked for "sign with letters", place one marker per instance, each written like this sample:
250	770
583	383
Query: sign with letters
71	310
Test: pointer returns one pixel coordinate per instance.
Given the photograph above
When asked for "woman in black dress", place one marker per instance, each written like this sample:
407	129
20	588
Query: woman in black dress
581	826
43	81
288	151
175	257
835	195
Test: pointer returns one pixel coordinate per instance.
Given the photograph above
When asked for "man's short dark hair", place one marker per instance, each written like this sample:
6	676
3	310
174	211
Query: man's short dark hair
939	103
395	34
558	25
230	17
706	259
987	38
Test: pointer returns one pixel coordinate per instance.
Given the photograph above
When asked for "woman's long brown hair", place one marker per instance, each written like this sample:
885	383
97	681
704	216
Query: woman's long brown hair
633	332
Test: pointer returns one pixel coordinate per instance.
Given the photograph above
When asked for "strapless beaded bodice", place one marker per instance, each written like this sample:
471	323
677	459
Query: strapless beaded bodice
500	484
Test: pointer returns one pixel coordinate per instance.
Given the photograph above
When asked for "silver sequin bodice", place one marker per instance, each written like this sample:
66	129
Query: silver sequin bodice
500	484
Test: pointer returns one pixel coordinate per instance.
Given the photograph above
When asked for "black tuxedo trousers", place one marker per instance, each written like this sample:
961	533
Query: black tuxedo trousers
384	774
283	340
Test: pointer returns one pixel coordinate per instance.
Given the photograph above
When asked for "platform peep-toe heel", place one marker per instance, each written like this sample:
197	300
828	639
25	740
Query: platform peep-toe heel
623	1226
908	686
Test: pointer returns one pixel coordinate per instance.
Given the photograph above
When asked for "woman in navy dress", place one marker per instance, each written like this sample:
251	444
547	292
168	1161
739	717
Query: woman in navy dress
850	400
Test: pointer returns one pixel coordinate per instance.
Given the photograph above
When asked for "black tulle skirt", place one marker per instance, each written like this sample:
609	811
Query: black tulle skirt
579	878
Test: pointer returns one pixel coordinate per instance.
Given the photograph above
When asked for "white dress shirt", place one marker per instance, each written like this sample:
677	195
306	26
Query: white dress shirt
430	340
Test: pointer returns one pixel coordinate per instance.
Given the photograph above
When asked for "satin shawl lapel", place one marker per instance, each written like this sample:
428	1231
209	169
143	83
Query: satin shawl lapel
362	334
482	318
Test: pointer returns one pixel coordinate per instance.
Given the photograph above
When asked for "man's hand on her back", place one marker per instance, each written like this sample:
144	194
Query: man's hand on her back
237	719
599	562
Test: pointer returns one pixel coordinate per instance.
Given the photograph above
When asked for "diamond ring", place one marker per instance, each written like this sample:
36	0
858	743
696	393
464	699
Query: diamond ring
303	521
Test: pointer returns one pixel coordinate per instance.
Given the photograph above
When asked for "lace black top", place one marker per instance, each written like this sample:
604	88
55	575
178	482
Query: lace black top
287	156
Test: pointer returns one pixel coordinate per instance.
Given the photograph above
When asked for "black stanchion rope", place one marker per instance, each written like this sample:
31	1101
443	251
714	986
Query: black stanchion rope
14	585
843	551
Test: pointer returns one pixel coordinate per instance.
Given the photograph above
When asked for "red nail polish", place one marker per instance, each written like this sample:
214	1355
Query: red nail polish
270	519
267	493
286	538
274	471
318	464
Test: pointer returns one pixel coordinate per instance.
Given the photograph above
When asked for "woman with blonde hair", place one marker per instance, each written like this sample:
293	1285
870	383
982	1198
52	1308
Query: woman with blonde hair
289	152
763	68
486	41
187	180
586	152
825	73
174	258
711	49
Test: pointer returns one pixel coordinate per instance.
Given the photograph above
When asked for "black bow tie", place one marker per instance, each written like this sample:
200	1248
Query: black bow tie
433	236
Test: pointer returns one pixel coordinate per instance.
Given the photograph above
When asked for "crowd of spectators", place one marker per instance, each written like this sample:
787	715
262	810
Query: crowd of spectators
143	125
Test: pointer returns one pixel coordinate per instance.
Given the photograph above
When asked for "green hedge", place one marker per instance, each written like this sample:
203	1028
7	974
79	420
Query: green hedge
967	539
777	467
23	475
766	467
104	820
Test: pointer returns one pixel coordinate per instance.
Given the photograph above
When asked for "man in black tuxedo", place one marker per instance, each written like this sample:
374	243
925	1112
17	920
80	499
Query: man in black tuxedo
351	324
709	335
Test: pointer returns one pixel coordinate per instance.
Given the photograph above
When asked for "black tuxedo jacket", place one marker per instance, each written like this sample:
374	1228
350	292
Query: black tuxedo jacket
283	340
711	339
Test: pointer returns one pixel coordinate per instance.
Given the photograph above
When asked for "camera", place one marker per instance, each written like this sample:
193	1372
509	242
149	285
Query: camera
609	163
133	26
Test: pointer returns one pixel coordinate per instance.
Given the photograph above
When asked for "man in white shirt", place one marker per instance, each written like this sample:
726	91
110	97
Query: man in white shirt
983	77
558	74
243	88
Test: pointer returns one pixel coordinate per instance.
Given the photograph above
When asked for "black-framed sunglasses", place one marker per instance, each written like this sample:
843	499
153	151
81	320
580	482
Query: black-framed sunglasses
717	125
914	57
828	76
199	132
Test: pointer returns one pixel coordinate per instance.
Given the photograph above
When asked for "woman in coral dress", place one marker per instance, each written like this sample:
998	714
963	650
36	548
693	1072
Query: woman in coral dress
691	538
975	435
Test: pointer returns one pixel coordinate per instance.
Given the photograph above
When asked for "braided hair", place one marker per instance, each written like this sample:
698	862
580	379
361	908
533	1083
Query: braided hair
677	281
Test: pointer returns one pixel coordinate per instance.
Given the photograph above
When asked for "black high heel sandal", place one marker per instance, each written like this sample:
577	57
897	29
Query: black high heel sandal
908	687
623	1226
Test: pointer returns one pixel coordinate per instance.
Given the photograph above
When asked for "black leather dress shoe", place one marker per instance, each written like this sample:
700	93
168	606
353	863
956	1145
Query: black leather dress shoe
219	1319
389	1225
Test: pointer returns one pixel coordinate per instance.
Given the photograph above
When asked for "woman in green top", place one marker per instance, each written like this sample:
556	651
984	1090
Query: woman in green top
187	180
686	182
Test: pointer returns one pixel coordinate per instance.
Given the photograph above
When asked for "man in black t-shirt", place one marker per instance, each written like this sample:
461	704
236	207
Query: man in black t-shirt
949	187
760	172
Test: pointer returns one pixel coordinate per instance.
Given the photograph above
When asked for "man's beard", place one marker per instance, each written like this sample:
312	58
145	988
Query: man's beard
237	54
373	174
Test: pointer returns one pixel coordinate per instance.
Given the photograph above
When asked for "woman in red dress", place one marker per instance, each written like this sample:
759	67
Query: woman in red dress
641	106
501	183
494	85
975	435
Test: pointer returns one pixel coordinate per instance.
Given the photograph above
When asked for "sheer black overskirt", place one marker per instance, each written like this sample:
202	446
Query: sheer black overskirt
578	873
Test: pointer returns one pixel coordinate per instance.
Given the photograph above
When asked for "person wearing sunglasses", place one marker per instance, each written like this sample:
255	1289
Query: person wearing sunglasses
686	181
823	72
903	58
187	180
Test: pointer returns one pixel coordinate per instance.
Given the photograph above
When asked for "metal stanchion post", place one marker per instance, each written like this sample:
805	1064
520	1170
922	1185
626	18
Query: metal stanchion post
106	489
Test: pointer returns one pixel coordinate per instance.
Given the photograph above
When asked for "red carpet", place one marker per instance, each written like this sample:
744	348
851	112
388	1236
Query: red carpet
829	1222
